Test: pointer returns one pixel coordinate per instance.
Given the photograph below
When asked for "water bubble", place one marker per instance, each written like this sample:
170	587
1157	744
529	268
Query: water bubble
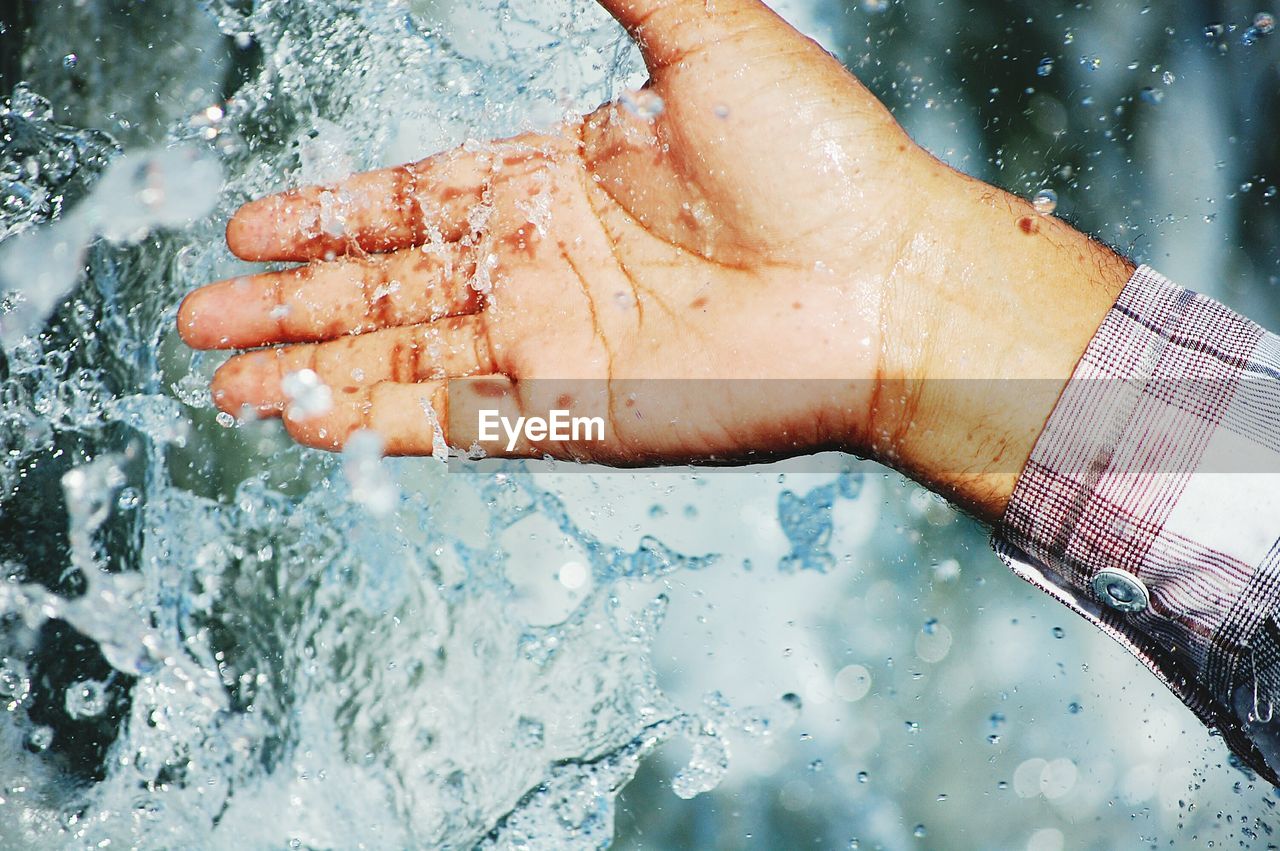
1151	94
919	832
1058	632
1045	201
70	60
86	699
40	738
1074	708
1045	68
863	777
573	575
645	103
128	499
225	420
946	570
852	683
308	395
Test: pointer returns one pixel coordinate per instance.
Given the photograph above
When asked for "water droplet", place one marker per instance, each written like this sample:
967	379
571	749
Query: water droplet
86	699
371	482
1264	23
1045	201
1059	632
40	738
225	420
1213	31
930	626
70	60
852	683
128	499
1074	708
244	40
912	726
996	719
919	832
645	103
993	739
1151	94
863	777
1045	68
816	766
15	686
308	395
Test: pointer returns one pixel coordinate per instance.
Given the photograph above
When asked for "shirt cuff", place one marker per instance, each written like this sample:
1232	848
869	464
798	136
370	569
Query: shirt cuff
1149	504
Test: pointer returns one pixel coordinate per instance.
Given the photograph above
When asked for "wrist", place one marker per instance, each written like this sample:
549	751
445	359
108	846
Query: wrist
994	306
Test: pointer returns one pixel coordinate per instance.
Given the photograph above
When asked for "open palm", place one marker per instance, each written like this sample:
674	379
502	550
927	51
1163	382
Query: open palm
733	231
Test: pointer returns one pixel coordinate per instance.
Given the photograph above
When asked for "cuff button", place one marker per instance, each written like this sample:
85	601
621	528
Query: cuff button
1120	590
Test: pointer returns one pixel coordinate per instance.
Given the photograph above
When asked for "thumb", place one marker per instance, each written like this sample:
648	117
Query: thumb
669	31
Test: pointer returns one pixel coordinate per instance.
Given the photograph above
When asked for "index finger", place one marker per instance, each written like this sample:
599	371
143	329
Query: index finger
377	211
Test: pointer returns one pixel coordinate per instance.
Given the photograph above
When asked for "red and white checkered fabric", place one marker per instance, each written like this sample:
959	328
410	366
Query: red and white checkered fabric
1162	458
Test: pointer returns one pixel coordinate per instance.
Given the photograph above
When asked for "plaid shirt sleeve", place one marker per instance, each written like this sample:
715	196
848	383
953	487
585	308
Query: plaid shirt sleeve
1150	505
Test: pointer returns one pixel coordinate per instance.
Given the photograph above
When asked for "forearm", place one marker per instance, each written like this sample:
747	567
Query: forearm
978	354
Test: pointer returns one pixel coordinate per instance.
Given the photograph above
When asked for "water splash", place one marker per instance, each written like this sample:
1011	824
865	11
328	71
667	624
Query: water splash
281	647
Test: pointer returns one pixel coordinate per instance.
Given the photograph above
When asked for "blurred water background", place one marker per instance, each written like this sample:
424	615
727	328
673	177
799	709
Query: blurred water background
210	638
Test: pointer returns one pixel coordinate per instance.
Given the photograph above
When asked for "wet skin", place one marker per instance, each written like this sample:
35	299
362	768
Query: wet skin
773	221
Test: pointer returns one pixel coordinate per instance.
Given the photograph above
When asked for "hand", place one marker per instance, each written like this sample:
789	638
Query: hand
771	222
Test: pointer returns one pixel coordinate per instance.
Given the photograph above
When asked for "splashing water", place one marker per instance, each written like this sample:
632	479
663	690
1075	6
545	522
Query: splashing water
221	639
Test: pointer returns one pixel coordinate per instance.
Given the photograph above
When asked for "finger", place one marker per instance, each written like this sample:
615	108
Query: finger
326	300
668	31
376	211
405	416
411	418
450	348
